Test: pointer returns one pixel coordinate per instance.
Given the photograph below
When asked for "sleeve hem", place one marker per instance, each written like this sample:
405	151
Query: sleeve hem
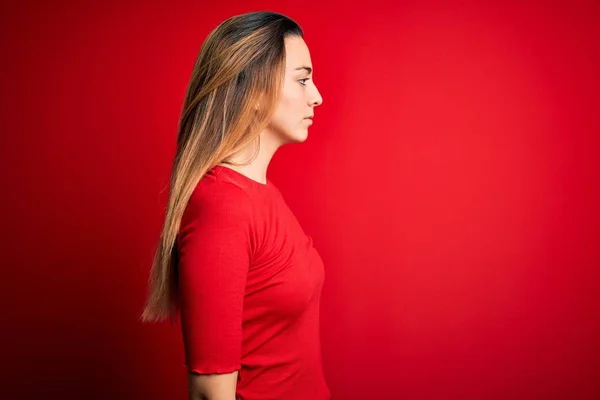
213	370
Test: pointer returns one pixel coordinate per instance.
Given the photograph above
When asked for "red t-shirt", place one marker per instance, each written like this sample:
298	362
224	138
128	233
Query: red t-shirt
250	285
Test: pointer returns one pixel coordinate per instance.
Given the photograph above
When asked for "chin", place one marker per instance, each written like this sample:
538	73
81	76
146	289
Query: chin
301	137
295	137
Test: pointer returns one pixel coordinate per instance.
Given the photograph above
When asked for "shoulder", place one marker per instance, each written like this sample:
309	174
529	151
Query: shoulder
215	199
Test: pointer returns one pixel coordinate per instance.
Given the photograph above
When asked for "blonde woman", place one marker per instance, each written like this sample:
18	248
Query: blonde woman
233	262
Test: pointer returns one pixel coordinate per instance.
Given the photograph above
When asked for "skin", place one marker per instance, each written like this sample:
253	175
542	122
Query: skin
298	100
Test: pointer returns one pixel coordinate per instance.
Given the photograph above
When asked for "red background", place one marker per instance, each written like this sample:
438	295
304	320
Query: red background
450	182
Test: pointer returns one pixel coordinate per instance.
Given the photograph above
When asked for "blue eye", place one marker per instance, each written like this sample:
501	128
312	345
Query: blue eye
303	80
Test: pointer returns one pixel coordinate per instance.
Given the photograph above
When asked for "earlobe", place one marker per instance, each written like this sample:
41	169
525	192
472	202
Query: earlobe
259	101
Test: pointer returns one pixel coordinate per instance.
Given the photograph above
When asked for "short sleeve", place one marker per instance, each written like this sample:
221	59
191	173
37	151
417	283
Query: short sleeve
213	260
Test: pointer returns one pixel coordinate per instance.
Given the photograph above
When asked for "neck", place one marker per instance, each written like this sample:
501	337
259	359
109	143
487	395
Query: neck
257	169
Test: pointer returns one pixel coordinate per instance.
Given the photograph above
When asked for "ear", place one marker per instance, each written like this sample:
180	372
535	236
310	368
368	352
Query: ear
258	103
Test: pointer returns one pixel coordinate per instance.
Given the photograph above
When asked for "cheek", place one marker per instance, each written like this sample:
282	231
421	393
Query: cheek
292	95
291	101
289	110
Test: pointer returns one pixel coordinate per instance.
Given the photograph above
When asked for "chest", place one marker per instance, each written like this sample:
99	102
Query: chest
286	273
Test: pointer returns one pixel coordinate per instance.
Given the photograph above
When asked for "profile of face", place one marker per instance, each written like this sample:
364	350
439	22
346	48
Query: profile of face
299	95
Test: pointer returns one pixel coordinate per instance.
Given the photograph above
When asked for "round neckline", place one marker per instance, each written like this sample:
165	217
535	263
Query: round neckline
242	176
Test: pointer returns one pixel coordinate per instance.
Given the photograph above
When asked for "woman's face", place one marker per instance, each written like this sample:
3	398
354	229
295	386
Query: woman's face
299	95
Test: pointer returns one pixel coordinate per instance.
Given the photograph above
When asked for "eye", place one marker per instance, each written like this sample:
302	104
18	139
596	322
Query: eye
303	80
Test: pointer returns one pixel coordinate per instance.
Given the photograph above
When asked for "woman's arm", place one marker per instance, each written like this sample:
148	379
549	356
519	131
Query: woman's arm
214	250
213	386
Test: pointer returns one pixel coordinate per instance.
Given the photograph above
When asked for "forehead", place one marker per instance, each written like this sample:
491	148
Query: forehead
296	53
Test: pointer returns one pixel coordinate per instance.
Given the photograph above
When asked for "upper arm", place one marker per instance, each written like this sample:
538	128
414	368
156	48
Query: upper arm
214	258
212	387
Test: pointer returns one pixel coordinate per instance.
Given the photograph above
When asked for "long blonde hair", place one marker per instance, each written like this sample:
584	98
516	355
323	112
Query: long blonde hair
241	65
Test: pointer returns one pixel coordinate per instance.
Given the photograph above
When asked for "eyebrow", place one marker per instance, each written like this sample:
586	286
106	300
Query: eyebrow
308	69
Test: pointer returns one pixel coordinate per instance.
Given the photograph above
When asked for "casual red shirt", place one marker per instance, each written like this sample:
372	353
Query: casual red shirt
250	286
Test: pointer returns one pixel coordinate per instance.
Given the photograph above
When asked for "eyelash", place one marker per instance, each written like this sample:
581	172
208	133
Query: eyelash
303	79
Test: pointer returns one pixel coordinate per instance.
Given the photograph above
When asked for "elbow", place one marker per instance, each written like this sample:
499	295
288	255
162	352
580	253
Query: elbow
212	387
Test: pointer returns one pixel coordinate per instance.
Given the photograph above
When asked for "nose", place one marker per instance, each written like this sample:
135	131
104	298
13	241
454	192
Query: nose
316	99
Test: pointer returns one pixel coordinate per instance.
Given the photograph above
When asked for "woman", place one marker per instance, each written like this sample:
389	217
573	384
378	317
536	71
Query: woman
232	259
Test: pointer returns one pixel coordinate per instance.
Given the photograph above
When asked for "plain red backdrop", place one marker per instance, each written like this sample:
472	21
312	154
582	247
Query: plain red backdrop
450	182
